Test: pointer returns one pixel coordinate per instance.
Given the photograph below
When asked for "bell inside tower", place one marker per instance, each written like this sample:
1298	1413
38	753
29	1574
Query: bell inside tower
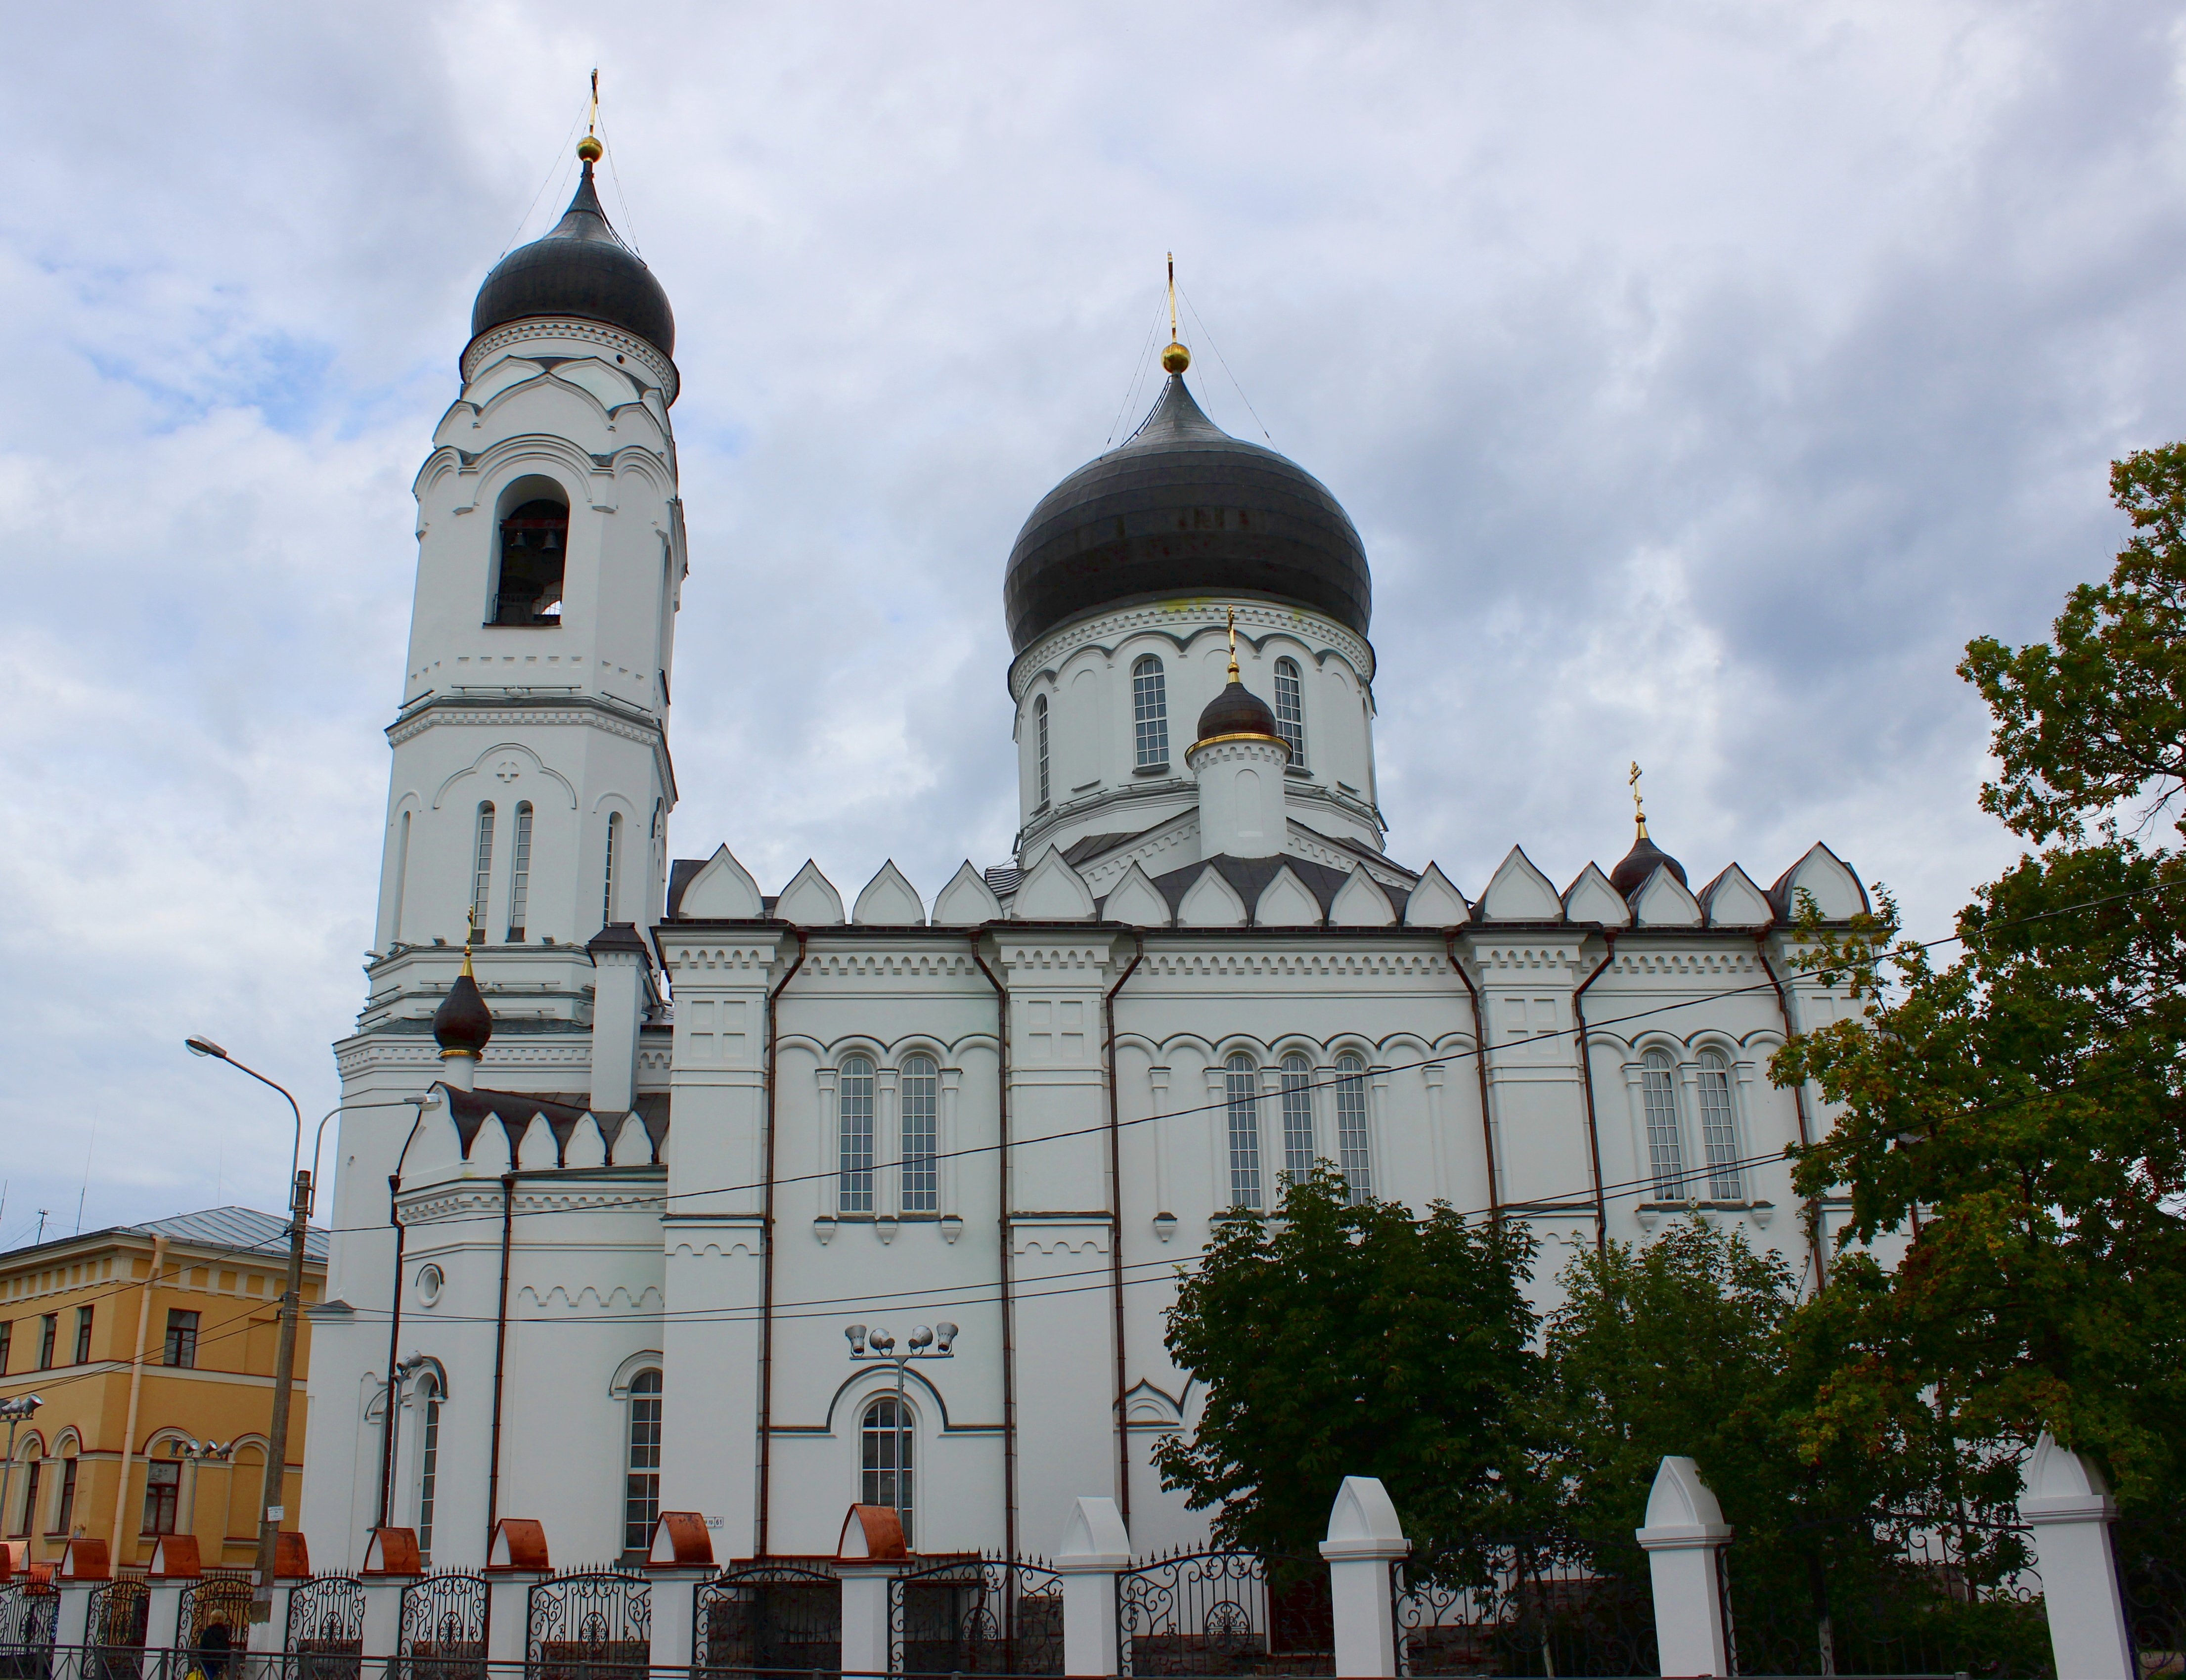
534	542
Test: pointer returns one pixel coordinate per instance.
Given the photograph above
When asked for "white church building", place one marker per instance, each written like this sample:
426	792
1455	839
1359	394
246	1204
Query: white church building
604	1213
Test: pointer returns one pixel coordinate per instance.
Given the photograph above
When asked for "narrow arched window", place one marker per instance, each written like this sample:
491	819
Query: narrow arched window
921	1086
1718	1129
1039	741
1297	1116
1242	1085
1666	1155
884	1440
402	878
1289	709
534	541
429	1465
641	1499
1150	712
608	893
854	1100
519	875
1351	1153
482	867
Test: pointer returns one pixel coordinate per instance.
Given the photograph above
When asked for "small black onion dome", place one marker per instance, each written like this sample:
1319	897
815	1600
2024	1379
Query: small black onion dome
462	1024
1645	858
1183	508
1236	710
582	268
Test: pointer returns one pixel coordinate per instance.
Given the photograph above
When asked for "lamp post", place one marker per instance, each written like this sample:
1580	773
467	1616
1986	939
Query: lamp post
922	1343
16	1411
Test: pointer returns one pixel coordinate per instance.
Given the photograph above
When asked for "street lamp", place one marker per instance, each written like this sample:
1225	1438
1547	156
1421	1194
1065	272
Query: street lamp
16	1411
879	1345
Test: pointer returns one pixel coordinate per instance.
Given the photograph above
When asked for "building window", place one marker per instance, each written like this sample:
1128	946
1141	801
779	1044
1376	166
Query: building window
922	1084
65	1509
49	1335
608	893
533	544
1718	1131
7	1337
1039	741
482	867
429	1465
182	1351
855	1103
163	1485
83	1336
1351	1127
1297	1116
1242	1082
519	875
1666	1158
886	1443
401	877
640	1501
1290	710
30	1497
1150	712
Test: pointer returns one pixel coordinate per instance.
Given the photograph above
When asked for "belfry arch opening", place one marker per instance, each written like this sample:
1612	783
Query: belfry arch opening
532	548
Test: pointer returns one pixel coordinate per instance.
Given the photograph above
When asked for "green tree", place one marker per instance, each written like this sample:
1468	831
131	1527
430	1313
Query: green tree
1335	1341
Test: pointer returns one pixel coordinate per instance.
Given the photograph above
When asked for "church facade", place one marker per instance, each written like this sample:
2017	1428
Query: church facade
644	1163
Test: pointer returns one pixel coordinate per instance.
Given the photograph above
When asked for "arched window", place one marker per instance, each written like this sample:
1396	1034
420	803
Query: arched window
1666	1155
482	865
534	541
1718	1130
401	877
1039	741
1150	712
428	1463
920	1084
1289	709
519	875
163	1488
1241	1084
884	1441
608	893
65	1504
855	1103
641	1498
1351	1127
1297	1116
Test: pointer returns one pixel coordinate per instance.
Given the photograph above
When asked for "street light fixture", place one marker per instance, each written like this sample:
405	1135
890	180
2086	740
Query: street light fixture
924	1342
16	1411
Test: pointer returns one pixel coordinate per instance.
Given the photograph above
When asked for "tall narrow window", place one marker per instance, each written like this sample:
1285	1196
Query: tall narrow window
30	1497
6	1336
854	1098
534	546
65	1508
614	864
1040	741
519	875
83	1336
1242	1087
163	1486
49	1335
1666	1158
1297	1116
1150	712
1351	1127
884	1441
429	1465
922	1188
1290	710
181	1348
640	1500
1718	1131
401	877
482	865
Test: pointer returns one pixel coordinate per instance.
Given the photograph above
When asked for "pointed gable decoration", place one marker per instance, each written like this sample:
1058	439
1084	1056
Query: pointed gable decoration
1822	873
889	901
811	900
966	901
1135	901
1052	891
1592	899
1285	903
1662	901
1732	900
1361	903
1210	902
723	891
1435	903
1521	893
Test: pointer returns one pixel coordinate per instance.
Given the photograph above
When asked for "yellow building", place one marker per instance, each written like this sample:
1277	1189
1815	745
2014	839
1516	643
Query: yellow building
152	1347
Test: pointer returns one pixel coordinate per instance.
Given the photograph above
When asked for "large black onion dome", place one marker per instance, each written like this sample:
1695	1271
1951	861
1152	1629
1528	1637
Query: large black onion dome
462	1024
583	269
1645	858
1183	508
1236	710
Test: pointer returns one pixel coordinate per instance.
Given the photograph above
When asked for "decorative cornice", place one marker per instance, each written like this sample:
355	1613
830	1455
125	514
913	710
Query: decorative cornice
612	339
1388	963
1183	621
505	711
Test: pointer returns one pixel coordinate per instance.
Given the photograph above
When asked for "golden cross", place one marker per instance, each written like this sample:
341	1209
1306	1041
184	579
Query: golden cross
1233	646
1638	810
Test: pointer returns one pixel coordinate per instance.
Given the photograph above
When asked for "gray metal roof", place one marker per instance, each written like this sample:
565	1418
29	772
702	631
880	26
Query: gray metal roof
240	1230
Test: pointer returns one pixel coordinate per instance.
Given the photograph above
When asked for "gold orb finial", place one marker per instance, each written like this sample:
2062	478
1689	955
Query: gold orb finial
590	149
1176	358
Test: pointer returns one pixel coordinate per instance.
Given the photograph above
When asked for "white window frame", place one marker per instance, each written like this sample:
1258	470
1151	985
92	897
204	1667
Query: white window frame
1149	713
1290	709
1662	1126
852	1196
1295	1085
1357	1180
921	1191
1241	1115
1720	1156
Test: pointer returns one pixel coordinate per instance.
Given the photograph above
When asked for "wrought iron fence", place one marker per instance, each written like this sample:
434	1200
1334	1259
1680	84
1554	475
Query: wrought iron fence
29	1613
769	1616
214	1620
1220	1612
115	1622
976	1615
440	1627
326	1628
2151	1562
1529	1604
594	1624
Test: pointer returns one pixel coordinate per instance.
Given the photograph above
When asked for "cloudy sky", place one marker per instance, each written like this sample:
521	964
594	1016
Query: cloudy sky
1699	375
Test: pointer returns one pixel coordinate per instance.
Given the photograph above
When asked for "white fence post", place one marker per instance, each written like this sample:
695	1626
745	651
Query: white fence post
390	1564
681	1561
1095	1545
1365	1539
870	1554
1684	1539
515	1563
2068	1506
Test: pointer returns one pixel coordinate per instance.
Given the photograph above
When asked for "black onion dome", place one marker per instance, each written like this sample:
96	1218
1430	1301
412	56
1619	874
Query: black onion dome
462	1024
1645	858
1236	710
582	269
1183	508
